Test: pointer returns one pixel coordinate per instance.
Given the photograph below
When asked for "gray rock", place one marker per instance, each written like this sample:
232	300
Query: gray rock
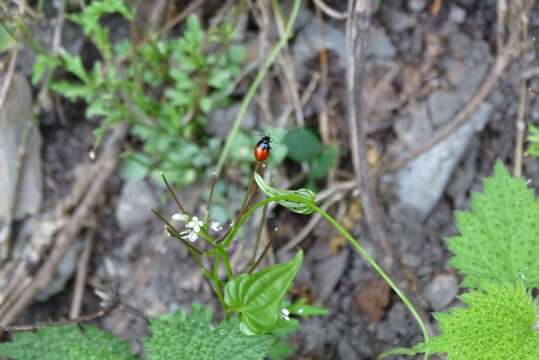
398	21
65	271
380	45
441	291
15	116
385	333
457	14
400	319
345	350
417	5
132	209
328	273
421	183
310	41
220	120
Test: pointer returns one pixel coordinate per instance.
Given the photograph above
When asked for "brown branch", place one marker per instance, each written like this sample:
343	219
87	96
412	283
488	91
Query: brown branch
357	27
82	274
101	171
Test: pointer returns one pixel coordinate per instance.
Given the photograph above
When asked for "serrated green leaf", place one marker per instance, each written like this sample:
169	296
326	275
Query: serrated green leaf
499	237
302	201
305	143
258	297
43	64
497	324
72	91
73	64
66	343
177	336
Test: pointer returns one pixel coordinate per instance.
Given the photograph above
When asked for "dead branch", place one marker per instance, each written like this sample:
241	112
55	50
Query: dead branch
65	233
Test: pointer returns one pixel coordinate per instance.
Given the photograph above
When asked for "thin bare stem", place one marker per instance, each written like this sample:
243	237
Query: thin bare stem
171	191
264	252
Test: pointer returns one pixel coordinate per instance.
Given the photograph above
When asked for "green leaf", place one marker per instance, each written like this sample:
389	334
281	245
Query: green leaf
6	40
237	53
497	324
533	140
220	78
44	63
135	167
178	336
66	343
321	164
72	91
301	308
73	64
304	143
499	237
258	297
300	201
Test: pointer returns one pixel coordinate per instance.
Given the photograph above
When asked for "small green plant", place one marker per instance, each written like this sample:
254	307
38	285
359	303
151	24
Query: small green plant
533	139
164	87
309	150
496	252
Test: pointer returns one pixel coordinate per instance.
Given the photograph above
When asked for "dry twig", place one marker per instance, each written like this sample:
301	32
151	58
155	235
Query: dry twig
82	274
64	232
357	27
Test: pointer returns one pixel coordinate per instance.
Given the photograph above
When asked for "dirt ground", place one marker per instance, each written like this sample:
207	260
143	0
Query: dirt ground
424	63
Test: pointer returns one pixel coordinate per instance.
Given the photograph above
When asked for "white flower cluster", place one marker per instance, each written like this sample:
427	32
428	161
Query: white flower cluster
193	226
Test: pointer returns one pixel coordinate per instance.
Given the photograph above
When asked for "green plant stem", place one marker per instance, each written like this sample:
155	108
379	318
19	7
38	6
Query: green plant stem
378	269
346	234
256	83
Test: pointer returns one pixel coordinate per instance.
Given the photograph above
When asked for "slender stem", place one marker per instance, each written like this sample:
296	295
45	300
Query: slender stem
171	191
210	198
256	83
216	282
346	234
376	268
259	234
264	252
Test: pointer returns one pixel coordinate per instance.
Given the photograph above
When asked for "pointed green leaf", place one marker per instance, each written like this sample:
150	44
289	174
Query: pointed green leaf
499	237
497	324
258	297
300	201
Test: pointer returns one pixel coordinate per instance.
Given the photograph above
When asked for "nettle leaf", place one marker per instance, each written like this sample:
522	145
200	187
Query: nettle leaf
302	201
66	343
499	237
178	336
258	297
497	324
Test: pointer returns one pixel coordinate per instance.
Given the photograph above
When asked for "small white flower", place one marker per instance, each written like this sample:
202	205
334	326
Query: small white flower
180	217
192	236
215	226
285	314
195	224
300	311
